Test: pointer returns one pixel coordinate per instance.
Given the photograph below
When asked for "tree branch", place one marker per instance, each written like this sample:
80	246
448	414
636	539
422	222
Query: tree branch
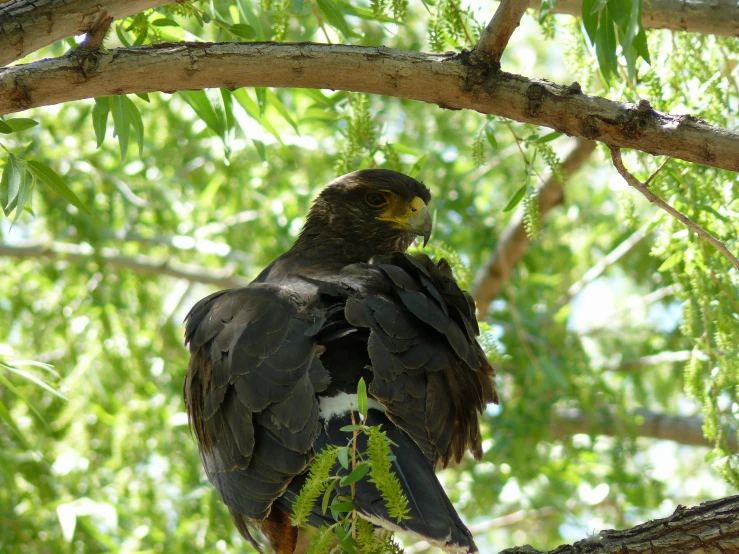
658	359
687	430
514	240
654	199
111	256
711	528
498	32
599	268
713	17
26	26
450	81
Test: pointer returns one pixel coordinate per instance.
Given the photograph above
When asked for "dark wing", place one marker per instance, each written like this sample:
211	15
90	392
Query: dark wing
429	371
250	391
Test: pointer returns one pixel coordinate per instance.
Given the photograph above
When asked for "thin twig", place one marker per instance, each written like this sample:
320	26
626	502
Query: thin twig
654	199
598	269
498	32
513	241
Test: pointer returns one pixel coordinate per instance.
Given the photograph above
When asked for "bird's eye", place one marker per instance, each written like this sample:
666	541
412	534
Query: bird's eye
375	199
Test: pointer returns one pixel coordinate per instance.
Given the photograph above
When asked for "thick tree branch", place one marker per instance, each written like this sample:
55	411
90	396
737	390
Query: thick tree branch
451	81
654	199
514	240
111	256
712	17
711	528
26	26
498	32
686	430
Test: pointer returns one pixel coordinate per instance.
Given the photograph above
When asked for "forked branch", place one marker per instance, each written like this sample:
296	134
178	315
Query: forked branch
498	32
654	199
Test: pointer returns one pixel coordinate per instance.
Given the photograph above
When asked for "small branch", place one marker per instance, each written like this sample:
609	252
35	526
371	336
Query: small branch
654	199
659	359
687	430
81	253
97	32
599	268
521	517
513	242
712	17
498	32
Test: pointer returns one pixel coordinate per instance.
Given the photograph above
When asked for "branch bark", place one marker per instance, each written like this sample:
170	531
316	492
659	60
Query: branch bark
713	17
498	32
27	26
687	430
711	528
513	241
111	256
450	81
654	199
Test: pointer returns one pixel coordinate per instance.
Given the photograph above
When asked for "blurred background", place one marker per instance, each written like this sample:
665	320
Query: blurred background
615	335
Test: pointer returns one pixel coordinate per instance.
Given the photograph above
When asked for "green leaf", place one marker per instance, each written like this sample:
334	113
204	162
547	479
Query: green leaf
352	428
598	5
8	419
358	473
516	198
121	36
10	184
275	101
138	125
253	20
164	22
298	6
100	118
23	194
605	46
343	457
259	145
252	108
345	539
50	178
33	379
327	496
17	124
242	30
121	122
341	506
590	19
212	114
144	96
548	137
5	128
334	16
362	398
490	134
671	262
418	166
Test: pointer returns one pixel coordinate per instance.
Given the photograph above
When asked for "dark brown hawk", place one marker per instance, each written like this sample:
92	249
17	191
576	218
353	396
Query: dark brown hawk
274	366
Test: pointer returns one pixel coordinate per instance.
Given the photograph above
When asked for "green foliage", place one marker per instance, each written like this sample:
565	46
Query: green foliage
221	186
316	484
612	23
382	475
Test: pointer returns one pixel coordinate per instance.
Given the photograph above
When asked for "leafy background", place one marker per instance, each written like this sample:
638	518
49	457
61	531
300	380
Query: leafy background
95	454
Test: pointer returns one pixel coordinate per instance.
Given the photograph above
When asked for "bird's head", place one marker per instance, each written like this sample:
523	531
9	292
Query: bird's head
371	211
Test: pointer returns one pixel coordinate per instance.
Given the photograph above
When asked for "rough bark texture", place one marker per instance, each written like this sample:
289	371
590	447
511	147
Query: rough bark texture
450	81
514	241
713	17
498	32
711	528
27	26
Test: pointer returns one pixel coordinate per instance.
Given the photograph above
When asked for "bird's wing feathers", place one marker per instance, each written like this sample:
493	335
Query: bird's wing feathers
251	392
428	369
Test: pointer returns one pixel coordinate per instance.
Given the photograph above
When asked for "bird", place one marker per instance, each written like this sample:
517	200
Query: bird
274	366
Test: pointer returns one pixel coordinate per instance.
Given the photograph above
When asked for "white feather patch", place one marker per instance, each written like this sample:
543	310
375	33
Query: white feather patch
343	403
